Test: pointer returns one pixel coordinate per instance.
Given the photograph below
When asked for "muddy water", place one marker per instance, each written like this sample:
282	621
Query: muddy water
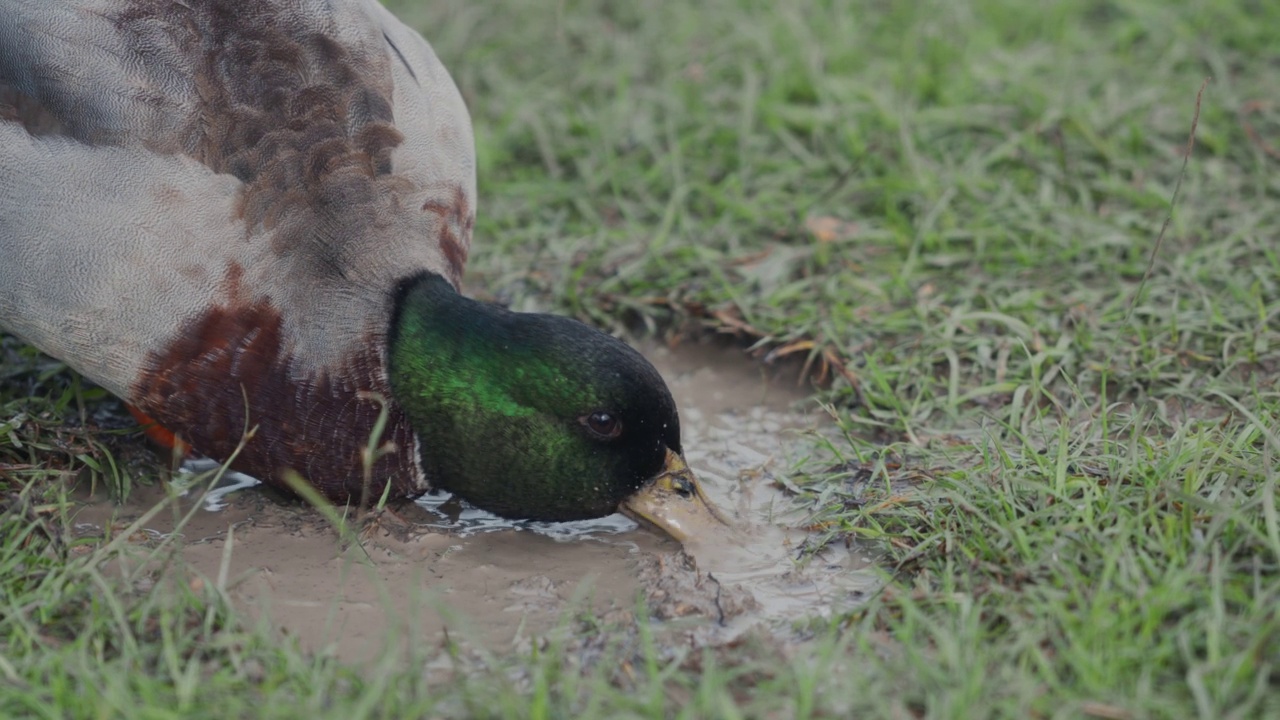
440	567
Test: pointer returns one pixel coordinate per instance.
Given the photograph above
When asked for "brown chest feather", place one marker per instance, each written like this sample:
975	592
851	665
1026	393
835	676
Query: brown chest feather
230	373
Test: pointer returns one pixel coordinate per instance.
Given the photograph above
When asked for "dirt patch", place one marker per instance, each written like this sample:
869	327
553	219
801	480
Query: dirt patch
440	570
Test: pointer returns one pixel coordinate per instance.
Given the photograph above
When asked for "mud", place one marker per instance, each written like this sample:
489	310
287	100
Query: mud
439	570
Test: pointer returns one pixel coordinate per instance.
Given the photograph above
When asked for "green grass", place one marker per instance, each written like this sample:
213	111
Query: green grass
1075	482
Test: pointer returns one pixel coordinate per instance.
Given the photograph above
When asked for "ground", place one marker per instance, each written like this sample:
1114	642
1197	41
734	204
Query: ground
1056	418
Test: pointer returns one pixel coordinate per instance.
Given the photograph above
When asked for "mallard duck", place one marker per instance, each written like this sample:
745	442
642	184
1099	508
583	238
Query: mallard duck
249	220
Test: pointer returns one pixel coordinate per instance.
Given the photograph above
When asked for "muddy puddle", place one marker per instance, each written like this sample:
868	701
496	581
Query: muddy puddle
441	568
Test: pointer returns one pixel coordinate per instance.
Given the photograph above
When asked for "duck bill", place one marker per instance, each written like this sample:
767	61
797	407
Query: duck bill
674	502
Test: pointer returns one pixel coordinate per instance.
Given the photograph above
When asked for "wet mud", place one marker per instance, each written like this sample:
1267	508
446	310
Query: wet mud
438	570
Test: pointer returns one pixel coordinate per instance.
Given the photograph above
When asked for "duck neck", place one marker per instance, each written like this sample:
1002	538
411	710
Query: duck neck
446	359
475	383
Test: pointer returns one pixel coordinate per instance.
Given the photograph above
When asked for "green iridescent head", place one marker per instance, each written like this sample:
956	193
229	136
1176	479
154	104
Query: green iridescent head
526	415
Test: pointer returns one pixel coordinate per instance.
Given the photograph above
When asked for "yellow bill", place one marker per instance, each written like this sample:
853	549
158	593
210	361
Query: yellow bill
674	503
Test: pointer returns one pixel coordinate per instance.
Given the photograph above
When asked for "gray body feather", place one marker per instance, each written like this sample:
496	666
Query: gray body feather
138	172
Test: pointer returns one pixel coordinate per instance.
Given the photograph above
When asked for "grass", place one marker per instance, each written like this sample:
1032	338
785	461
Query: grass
1073	475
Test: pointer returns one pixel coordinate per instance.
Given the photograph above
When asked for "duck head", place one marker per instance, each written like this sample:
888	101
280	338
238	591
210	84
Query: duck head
538	416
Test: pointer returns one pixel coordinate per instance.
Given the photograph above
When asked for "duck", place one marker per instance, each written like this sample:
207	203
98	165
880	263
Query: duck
250	220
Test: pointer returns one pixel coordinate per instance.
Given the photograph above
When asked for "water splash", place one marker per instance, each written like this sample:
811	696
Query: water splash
195	472
460	517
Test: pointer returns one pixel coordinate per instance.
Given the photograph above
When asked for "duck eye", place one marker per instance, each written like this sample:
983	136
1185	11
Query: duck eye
606	425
